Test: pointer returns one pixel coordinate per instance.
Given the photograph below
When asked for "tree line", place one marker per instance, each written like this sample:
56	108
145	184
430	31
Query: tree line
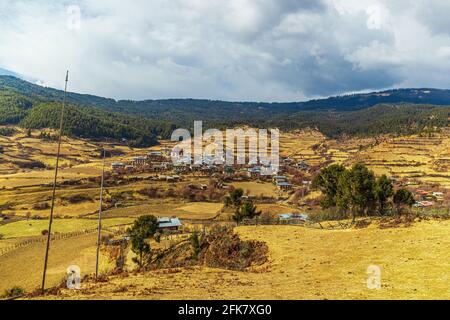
358	192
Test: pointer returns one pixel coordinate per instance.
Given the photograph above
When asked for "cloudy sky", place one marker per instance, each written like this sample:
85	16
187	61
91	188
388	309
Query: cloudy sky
259	50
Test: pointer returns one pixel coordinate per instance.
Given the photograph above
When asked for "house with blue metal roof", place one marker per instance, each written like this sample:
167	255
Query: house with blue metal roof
284	186
169	223
277	179
293	216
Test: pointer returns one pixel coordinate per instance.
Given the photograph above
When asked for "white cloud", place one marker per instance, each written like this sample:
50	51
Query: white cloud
234	50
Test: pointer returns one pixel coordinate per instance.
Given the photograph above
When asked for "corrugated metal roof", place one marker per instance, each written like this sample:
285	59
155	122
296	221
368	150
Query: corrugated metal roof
288	216
169	222
284	184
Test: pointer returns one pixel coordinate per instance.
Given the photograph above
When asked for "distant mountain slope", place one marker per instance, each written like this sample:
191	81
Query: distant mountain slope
186	110
36	92
392	111
365	100
402	118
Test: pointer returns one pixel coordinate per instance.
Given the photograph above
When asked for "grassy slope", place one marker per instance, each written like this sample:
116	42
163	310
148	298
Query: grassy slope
32	228
23	267
308	264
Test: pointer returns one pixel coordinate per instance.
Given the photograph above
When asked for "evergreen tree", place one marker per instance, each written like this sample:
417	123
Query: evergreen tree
327	181
403	197
246	211
143	228
383	191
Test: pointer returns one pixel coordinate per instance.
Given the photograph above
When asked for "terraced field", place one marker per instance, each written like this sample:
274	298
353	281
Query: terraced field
425	158
293	271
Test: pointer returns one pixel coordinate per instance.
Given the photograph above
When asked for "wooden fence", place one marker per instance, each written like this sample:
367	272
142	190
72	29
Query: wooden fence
56	236
326	225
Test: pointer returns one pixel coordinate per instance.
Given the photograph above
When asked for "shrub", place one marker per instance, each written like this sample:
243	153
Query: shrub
14	292
77	198
327	215
30	165
265	217
150	192
195	244
41	206
7	131
170	193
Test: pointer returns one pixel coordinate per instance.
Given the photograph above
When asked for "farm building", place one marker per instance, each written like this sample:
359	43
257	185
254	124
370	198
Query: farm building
284	186
169	224
154	154
254	172
174	178
278	179
138	161
118	166
438	195
293	216
424	204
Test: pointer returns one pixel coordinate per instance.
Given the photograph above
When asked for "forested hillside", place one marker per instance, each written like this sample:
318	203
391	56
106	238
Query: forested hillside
13	107
380	119
395	111
92	123
81	121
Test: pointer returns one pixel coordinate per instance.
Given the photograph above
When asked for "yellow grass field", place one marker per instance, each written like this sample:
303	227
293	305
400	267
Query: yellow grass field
23	267
198	210
168	208
274	209
304	263
256	189
307	264
32	228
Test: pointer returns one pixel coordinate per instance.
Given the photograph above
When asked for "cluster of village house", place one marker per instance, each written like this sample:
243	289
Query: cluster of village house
428	199
160	161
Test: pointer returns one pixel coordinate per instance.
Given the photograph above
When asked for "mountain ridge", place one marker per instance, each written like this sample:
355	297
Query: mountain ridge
390	111
346	102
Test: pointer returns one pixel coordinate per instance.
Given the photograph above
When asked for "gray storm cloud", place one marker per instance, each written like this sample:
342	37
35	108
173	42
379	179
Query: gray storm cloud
259	50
